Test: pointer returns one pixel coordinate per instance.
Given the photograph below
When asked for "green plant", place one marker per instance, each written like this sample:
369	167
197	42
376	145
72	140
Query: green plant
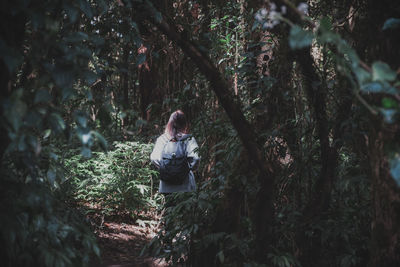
37	229
120	180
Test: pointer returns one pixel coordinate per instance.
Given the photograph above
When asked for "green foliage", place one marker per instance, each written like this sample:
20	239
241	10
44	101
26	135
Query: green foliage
282	259
120	180
395	168
378	87
51	67
299	38
185	227
382	72
39	230
391	23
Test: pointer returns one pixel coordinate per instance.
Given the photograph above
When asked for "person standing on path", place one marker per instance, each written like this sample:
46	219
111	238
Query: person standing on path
177	130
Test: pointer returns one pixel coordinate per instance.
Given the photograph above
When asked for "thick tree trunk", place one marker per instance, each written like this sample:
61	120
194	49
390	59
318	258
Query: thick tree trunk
246	133
376	44
385	246
315	90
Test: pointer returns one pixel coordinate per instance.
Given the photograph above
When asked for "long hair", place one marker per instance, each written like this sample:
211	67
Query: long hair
177	123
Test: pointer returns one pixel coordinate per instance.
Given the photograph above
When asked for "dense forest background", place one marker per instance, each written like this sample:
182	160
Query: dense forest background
295	107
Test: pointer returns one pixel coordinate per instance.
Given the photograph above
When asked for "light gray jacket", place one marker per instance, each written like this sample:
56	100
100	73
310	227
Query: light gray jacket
192	156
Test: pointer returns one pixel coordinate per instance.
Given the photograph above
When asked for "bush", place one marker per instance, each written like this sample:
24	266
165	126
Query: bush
38	230
120	180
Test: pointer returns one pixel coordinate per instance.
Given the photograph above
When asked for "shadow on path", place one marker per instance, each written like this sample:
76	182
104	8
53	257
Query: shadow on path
121	243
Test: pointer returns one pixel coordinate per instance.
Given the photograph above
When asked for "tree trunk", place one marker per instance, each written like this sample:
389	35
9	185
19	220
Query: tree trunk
385	246
376	44
246	133
147	82
125	87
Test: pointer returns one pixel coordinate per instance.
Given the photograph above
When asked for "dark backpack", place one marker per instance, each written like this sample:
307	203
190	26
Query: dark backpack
174	166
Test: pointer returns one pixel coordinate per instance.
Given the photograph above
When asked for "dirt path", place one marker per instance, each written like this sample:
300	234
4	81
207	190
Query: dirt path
122	239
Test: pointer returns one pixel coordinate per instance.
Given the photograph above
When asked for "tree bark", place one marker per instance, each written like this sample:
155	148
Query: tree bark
246	133
377	44
125	87
385	245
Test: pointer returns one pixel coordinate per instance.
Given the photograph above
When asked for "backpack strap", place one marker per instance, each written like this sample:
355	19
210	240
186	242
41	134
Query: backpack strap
184	137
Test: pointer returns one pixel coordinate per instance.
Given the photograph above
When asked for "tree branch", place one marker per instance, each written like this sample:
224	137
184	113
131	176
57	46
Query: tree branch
222	88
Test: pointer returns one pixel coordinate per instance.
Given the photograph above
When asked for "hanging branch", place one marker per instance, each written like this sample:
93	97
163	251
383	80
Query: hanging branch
264	201
220	86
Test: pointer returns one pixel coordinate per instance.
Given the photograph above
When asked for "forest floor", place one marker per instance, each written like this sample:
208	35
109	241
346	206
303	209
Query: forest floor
121	240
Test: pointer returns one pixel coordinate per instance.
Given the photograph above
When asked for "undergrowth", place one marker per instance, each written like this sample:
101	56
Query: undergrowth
114	182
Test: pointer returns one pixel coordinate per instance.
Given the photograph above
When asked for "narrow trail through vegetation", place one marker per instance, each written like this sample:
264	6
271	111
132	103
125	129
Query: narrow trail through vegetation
117	193
121	239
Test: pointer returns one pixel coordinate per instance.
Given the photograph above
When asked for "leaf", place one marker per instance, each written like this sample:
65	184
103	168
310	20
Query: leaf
33	119
103	6
46	133
76	37
34	143
329	37
377	87
255	25
11	57
362	75
97	40
85	7
15	110
57	123
96	250
53	156
299	38
388	115
42	96
81	119
72	12
62	78
349	52
382	72
67	93
102	141
89	95
51	176
135	26
391	23
158	16
90	77
389	103
222	60
21	143
37	21
221	256
325	25
394	165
